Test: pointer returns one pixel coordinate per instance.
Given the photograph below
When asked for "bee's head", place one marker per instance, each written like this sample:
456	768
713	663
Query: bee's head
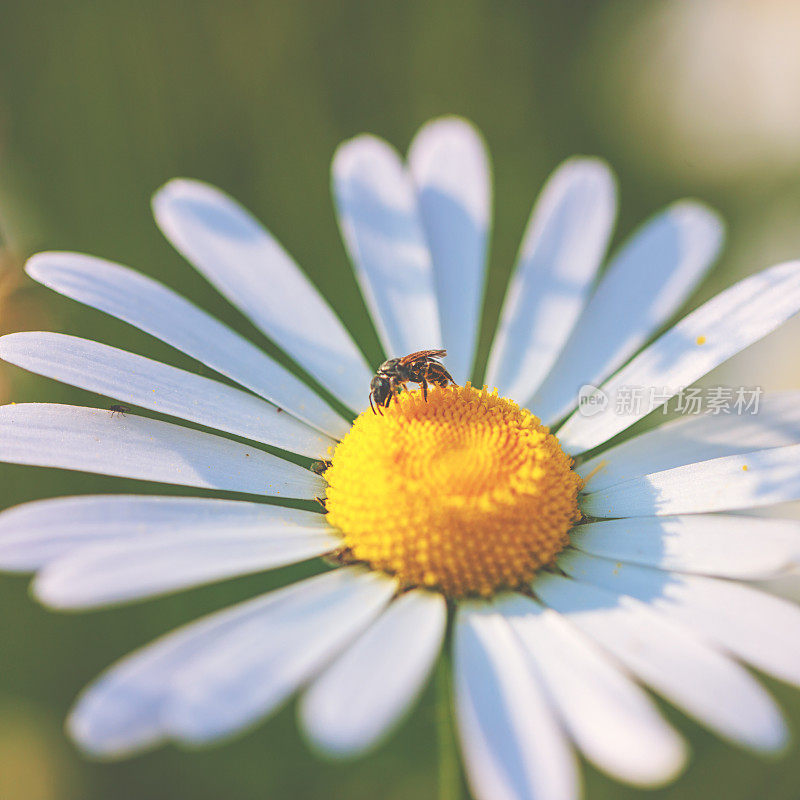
380	388
389	366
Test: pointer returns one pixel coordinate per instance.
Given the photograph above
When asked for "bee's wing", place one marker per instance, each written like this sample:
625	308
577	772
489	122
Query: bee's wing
420	354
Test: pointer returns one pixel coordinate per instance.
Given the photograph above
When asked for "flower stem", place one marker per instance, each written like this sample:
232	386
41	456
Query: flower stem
450	784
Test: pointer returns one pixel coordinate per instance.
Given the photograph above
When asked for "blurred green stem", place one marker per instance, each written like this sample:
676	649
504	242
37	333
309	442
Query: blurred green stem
450	786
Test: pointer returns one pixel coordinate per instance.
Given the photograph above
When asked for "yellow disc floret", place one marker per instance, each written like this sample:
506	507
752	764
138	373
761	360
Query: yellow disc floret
465	492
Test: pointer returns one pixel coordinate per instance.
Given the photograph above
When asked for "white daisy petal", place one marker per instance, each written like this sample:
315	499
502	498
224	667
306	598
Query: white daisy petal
719	484
757	627
712	544
94	440
120	713
381	226
713	689
786	585
788	510
698	438
563	247
513	747
124	709
726	324
645	284
358	699
35	534
251	269
121	572
450	167
157	310
610	718
150	384
247	671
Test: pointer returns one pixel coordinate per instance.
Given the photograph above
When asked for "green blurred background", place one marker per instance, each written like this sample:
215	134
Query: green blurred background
100	103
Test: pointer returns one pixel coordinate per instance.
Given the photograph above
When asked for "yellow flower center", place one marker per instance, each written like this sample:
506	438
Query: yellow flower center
466	493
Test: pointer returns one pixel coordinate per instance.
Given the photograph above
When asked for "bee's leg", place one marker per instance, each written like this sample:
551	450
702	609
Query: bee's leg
394	389
421	377
371	405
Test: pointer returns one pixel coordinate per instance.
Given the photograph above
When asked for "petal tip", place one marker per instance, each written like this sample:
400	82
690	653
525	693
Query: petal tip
94	742
449	128
326	745
593	169
38	265
181	188
53	591
42	266
700	216
672	764
352	154
41	590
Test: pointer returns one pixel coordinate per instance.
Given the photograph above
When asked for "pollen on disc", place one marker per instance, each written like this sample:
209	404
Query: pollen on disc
466	493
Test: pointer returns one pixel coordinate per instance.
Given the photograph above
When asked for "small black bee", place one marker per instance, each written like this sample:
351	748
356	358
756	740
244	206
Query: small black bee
118	409
318	467
422	367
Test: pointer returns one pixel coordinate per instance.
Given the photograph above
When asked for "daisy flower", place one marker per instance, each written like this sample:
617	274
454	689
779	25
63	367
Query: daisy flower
567	575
